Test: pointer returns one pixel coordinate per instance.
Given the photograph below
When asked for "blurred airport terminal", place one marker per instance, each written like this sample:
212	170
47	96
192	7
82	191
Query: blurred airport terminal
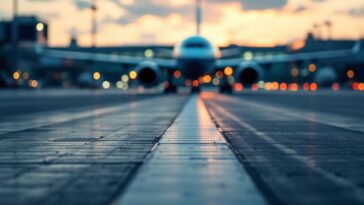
22	64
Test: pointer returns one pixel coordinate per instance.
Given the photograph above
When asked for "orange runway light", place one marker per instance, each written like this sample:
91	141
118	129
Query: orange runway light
16	75
207	79
283	86
228	71
361	86
350	74
355	86
267	86
312	68
177	74
275	86
313	86
133	75
335	86
238	87
293	87
33	83
195	83
254	87
306	86
96	75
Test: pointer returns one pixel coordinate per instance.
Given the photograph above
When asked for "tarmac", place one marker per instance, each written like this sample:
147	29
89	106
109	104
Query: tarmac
109	147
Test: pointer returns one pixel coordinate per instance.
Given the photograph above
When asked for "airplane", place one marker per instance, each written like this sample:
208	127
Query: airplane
195	57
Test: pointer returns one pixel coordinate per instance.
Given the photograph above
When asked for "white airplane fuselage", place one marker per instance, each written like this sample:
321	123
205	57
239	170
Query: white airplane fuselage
195	57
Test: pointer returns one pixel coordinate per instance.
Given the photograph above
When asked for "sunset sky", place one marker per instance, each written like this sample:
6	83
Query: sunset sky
248	22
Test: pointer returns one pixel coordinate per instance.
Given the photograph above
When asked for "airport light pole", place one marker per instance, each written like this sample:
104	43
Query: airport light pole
94	29
15	22
329	29
94	24
14	33
317	29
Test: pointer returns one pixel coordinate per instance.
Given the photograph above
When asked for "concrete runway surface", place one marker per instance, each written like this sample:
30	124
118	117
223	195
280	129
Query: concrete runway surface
109	147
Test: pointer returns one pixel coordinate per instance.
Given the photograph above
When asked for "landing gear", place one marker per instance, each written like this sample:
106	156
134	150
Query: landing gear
226	88
195	89
170	89
170	86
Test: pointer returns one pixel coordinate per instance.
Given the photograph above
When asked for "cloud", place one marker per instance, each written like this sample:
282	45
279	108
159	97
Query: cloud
76	32
353	12
156	10
82	4
263	4
319	0
257	22
254	4
356	12
300	8
140	8
164	8
149	37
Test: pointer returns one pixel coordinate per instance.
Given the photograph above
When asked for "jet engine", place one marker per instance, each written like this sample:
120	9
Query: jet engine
326	76
149	74
248	73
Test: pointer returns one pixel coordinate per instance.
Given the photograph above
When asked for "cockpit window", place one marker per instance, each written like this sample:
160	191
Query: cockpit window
195	45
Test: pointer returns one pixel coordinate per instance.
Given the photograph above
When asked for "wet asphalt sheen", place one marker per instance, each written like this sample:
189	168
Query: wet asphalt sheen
93	147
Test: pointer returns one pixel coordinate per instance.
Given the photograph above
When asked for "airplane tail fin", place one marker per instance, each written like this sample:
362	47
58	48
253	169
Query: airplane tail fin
198	16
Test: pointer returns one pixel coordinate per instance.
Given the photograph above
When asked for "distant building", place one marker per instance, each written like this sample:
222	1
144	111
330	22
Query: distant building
20	39
73	42
314	44
29	30
340	65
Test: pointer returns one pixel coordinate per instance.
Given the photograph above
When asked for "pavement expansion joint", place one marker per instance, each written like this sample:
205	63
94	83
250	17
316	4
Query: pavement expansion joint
192	164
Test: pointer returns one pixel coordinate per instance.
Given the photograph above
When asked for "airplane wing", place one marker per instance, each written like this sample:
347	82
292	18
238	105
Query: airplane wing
285	58
106	58
230	52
